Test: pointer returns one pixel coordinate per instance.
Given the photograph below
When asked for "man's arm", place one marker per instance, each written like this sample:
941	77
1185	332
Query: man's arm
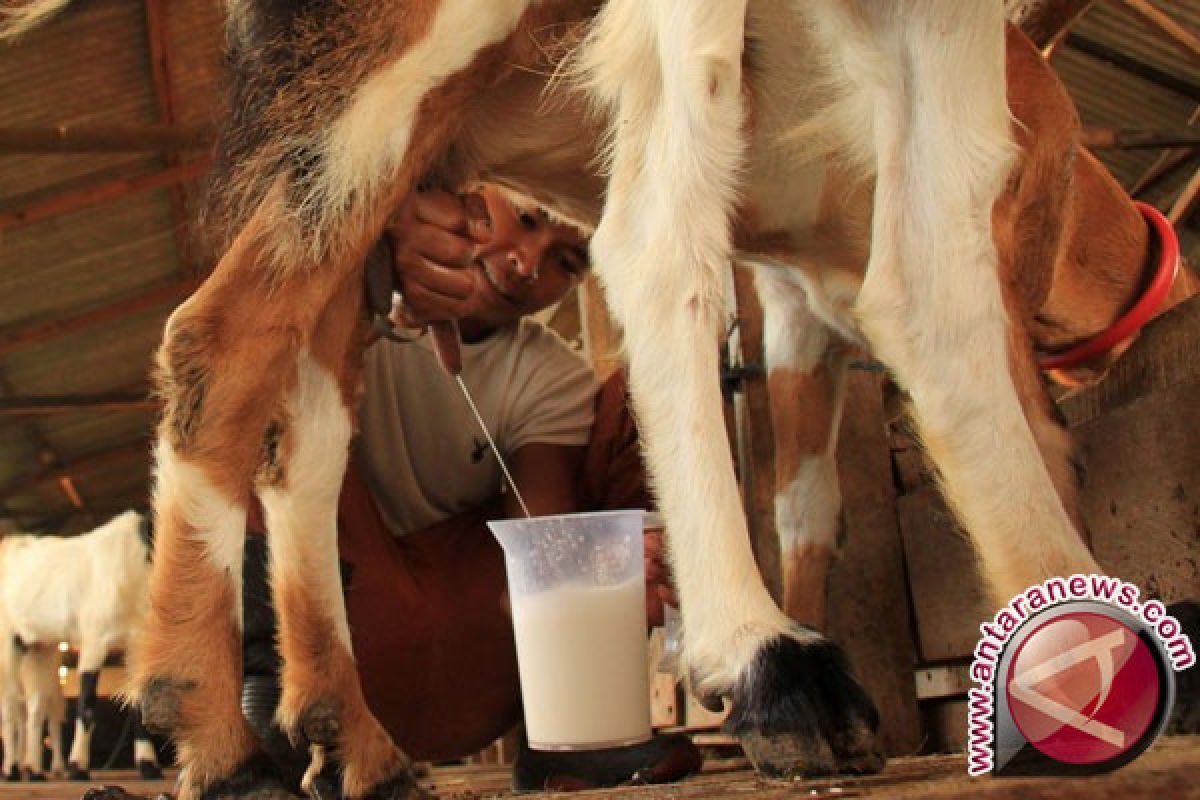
548	477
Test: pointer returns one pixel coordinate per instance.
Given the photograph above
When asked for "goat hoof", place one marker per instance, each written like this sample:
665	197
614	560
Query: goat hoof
320	724
77	773
798	710
149	771
13	775
1185	718
162	704
35	777
256	779
110	793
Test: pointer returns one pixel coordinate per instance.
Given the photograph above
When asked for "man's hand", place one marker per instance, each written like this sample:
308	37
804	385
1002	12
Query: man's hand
435	235
659	587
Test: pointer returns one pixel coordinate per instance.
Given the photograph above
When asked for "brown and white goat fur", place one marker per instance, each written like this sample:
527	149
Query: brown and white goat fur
1073	255
725	127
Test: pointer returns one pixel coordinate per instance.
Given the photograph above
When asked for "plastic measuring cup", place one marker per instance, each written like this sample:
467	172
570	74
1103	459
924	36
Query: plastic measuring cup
578	592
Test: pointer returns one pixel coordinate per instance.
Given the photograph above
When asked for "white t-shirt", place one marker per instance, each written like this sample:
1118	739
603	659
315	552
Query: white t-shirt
421	451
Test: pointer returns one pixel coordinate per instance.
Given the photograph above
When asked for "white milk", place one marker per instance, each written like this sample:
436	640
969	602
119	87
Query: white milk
582	655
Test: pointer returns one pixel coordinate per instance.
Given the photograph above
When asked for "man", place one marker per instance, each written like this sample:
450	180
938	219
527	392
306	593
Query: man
426	593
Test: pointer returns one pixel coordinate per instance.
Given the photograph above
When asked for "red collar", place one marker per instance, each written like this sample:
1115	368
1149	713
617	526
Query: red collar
1142	312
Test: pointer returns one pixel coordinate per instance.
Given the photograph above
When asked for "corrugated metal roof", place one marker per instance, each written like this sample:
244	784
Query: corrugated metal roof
92	65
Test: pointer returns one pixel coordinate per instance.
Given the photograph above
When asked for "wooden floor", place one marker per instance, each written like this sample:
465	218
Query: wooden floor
1170	770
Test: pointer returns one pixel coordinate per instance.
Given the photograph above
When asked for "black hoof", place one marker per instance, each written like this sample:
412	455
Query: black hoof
76	773
1186	716
110	793
320	724
798	710
35	777
149	771
13	775
256	779
162	704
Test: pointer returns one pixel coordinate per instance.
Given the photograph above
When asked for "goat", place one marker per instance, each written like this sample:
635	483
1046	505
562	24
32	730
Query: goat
31	701
722	126
1074	252
89	590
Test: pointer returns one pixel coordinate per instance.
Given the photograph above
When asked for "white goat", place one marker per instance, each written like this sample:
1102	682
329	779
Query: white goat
31	701
89	590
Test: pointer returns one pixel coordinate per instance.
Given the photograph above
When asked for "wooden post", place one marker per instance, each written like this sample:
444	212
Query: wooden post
1045	21
868	593
756	439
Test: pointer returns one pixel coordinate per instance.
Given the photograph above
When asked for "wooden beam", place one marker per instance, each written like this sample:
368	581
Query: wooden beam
104	138
1097	138
76	403
105	458
36	333
1185	204
1046	21
46	453
1183	39
108	192
1163	169
756	438
159	46
1165	163
67	484
1141	69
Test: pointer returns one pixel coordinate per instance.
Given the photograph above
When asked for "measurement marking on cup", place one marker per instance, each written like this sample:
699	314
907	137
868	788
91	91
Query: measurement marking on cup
500	459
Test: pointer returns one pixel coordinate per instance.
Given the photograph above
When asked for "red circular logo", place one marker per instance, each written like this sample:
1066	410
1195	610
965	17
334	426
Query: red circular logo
1083	688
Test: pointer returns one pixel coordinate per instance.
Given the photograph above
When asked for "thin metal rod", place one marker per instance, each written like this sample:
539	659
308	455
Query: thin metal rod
499	458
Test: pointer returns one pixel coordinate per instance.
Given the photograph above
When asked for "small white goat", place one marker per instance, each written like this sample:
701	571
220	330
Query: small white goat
31	701
89	590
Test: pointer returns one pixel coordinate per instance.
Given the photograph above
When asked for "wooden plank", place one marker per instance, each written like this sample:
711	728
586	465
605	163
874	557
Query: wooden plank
1180	85
159	46
868	603
1186	202
1165	164
756	439
27	335
1166	770
948	596
1166	354
74	404
1179	36
107	192
1045	21
74	467
1141	498
1096	138
947	680
103	138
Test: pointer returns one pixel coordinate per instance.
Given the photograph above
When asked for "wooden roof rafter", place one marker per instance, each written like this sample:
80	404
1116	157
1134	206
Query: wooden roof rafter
74	403
1166	163
96	194
103	138
159	47
75	467
35	333
1162	22
46	454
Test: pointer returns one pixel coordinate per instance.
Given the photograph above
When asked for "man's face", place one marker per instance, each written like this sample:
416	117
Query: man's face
529	263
